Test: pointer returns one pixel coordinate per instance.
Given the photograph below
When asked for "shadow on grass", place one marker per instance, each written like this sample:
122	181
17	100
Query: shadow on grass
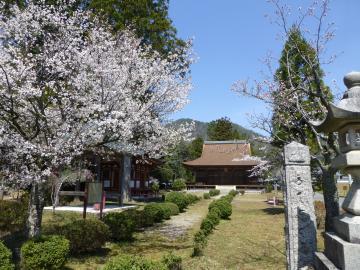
274	211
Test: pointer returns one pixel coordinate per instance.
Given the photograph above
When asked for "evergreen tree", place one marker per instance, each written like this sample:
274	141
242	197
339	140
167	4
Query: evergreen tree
223	130
295	70
196	147
148	18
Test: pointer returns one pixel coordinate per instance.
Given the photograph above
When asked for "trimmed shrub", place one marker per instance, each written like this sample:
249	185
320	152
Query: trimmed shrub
121	224
13	214
192	198
320	213
206	196
5	258
227	198
48	252
233	193
143	219
224	207
172	261
86	235
154	211
179	184
199	243
179	198
242	192
207	226
169	209
214	192
127	262
214	216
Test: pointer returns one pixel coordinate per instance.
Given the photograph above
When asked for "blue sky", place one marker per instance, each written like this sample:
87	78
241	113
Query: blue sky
230	39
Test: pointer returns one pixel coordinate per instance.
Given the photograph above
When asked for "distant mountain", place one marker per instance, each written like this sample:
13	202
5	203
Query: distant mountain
200	129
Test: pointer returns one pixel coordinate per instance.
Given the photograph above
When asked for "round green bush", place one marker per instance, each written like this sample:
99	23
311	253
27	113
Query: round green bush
233	193
128	262
179	184
169	209
192	198
227	198
224	207
155	210
179	198
199	243
214	217
5	258
144	219
86	235
206	196
207	226
214	192
121	224
172	261
48	252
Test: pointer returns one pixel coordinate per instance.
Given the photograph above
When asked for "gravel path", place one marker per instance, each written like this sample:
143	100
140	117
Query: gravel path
178	225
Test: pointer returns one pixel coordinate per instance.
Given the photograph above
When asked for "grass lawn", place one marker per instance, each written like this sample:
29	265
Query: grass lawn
252	239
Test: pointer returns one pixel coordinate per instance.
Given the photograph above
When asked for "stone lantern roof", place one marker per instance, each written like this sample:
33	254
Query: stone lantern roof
348	109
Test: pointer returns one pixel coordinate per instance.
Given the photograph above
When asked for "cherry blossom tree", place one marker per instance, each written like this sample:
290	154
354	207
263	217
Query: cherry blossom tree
68	85
296	94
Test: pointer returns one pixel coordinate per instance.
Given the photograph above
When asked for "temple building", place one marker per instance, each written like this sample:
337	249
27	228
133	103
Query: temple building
224	163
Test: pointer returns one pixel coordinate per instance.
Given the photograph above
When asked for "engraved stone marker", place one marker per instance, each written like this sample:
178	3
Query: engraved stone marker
299	208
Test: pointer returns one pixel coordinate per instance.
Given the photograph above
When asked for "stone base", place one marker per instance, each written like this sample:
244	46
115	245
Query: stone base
347	226
323	263
351	203
343	255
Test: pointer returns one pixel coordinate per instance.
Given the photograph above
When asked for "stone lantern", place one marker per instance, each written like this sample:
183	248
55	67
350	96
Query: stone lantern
342	247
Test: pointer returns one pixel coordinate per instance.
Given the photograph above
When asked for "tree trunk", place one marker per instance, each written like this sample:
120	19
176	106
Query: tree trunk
36	205
331	198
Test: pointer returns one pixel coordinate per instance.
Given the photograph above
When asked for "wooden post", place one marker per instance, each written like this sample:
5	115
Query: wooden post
85	200
102	200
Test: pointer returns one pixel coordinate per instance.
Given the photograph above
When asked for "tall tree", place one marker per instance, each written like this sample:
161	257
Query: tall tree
297	95
149	19
69	86
222	130
196	147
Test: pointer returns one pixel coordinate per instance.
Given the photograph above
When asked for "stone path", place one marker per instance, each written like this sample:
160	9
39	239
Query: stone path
178	225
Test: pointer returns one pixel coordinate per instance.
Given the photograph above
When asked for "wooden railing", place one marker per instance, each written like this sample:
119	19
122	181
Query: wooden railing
200	186
244	187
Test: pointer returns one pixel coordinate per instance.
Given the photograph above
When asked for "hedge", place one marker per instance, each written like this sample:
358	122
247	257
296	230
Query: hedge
178	184
86	235
179	198
224	207
206	196
121	224
220	208
48	252
214	192
172	261
5	258
200	242
129	262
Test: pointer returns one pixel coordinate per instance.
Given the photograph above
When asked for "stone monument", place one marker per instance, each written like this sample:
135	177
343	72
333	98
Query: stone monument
299	208
342	247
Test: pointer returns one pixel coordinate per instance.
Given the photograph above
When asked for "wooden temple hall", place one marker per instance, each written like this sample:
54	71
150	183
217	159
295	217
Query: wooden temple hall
223	163
126	175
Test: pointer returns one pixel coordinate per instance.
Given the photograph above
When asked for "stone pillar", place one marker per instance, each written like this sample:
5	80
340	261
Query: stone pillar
125	178
299	208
